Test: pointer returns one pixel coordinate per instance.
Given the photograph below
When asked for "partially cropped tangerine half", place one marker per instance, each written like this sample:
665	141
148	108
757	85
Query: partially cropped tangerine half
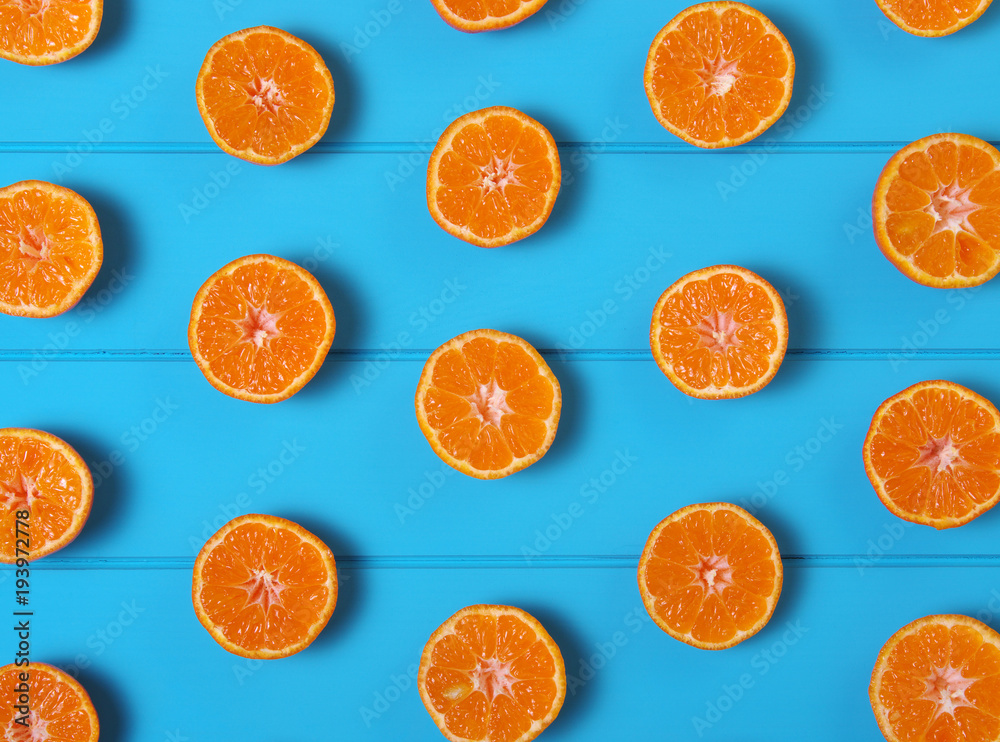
488	403
719	74
265	95
933	17
61	709
38	32
493	177
710	575
719	332
264	587
491	673
937	679
486	15
47	477
932	454
936	211
260	328
50	248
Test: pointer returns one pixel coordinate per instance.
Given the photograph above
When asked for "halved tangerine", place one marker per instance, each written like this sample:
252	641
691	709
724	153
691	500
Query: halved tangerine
266	96
488	403
719	74
719	332
264	587
485	15
933	17
260	328
932	454
50	248
492	673
710	575
61	709
493	177
38	32
46	477
938	679
936	211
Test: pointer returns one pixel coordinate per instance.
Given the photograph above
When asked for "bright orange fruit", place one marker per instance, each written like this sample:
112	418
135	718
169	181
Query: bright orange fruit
61	710
260	328
50	248
719	332
45	476
493	177
933	17
265	95
488	404
933	454
40	32
936	211
486	15
264	587
710	575
491	673
938	680
719	74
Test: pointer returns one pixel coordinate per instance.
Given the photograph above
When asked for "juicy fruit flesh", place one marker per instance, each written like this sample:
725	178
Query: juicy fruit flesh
480	10
36	477
937	454
489	403
36	28
719	75
264	588
495	177
718	332
46	247
941	682
266	94
57	711
943	210
491	675
260	328
711	575
934	15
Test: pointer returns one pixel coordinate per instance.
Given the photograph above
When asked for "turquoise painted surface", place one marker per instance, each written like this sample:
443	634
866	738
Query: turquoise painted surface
174	459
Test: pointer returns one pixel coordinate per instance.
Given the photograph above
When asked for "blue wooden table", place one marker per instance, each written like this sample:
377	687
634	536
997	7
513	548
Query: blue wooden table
173	459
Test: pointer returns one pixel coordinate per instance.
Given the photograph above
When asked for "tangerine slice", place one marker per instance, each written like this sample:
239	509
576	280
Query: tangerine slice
936	211
47	477
260	328
38	32
61	709
938	678
493	177
488	404
265	96
492	672
719	332
485	15
719	74
264	587
50	248
710	575
932	454
933	17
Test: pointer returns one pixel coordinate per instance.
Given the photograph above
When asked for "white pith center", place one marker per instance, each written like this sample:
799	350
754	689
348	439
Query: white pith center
719	75
17	495
498	174
259	326
718	331
34	244
951	206
37	731
946	688
938	454
493	678
263	588
265	95
714	574
489	404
